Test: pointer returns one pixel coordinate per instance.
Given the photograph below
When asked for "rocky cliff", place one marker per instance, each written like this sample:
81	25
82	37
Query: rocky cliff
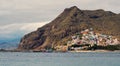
69	22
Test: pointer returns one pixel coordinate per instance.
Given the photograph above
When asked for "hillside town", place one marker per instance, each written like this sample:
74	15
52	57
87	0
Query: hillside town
88	38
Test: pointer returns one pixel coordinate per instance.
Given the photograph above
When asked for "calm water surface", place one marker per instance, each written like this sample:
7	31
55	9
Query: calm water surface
60	59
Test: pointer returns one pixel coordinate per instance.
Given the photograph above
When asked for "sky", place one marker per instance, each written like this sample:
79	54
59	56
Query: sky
19	17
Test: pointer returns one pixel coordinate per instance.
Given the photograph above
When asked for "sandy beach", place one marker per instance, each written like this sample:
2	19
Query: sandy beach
95	51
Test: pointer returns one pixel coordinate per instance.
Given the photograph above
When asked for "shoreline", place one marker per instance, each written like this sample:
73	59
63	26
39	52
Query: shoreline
95	51
75	51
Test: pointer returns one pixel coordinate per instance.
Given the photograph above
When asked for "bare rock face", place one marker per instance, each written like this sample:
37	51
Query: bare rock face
69	22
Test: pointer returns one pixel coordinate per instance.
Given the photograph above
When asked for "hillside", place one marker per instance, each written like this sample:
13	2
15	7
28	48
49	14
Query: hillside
69	22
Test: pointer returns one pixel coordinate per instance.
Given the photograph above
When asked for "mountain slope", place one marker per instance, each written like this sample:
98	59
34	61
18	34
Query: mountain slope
69	22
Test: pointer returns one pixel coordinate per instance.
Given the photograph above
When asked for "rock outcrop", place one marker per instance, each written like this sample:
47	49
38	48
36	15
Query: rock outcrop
69	22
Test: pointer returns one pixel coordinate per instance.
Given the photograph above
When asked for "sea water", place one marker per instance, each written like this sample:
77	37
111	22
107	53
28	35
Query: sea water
60	59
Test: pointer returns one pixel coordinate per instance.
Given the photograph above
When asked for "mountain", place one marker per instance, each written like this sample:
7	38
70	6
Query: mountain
9	44
68	23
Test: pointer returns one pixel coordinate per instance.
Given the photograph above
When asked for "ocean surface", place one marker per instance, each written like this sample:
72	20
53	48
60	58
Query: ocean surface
60	59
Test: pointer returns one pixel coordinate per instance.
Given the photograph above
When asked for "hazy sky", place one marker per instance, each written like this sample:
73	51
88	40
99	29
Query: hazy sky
20	11
14	13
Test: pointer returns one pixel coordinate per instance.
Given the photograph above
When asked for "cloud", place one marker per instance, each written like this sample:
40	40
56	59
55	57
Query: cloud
15	11
32	26
18	30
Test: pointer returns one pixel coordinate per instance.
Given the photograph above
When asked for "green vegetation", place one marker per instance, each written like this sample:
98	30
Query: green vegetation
75	45
96	47
108	47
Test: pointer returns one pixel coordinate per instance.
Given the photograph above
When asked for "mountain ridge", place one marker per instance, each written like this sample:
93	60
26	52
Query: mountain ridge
69	22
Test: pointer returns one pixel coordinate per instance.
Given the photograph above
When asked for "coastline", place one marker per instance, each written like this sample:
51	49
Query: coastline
94	51
74	51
